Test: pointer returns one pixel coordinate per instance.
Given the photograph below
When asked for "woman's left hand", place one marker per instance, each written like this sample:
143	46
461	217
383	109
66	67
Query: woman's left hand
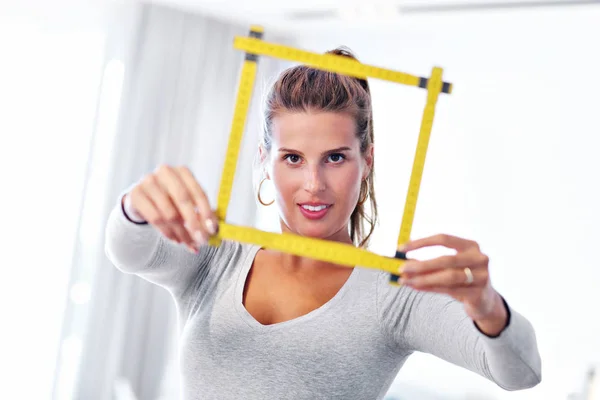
464	276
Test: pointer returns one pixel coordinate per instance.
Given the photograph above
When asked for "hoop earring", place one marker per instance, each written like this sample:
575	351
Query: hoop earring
259	198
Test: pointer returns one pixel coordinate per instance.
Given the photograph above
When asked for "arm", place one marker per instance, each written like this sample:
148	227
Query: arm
138	248
154	221
437	324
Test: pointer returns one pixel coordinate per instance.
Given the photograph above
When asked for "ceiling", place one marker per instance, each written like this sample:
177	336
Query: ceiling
315	15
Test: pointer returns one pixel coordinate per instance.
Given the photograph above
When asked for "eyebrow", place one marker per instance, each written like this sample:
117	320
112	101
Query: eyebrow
339	149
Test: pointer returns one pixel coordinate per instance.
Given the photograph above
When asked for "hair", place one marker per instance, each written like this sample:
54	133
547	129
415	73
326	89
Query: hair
302	88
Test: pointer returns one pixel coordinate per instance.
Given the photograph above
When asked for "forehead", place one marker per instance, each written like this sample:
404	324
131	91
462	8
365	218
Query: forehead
306	129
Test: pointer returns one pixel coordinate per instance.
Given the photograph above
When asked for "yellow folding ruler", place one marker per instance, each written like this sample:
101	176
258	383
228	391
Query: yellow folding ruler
339	253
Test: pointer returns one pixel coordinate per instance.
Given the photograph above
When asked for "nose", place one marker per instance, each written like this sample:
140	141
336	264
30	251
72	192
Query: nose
314	181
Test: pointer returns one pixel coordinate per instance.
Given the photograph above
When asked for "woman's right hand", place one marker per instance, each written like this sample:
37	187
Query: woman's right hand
171	200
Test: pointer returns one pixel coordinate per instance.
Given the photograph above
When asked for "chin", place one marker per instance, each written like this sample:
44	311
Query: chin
318	230
315	232
325	228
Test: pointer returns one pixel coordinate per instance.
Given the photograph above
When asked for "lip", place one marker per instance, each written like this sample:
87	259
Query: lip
314	215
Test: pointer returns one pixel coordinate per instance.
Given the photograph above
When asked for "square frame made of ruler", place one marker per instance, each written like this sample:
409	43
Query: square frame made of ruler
321	249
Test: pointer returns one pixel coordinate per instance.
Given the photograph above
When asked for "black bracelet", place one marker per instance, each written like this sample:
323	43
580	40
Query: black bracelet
129	219
505	326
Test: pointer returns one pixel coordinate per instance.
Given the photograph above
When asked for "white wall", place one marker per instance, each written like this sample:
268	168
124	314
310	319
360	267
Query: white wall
512	164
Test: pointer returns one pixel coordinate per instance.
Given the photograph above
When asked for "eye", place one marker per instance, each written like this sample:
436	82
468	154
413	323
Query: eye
336	158
292	158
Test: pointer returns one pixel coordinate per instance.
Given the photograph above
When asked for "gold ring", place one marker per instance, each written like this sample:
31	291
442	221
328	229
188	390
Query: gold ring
469	275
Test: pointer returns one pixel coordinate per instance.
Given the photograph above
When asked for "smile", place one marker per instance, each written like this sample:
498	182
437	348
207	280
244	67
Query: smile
314	211
314	208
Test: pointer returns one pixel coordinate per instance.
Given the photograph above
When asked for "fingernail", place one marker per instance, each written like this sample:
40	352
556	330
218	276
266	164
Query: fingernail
210	225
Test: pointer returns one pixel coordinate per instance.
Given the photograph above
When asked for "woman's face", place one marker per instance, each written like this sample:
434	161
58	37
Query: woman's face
317	168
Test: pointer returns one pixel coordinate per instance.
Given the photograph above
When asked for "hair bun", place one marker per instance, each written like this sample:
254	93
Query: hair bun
346	52
342	51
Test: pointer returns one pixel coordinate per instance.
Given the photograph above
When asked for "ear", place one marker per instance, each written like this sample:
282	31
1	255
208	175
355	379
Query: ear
263	154
369	157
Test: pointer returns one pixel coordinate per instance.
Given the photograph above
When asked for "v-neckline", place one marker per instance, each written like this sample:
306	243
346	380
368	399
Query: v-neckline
253	323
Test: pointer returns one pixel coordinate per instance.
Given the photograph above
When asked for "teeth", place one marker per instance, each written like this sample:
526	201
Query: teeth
311	208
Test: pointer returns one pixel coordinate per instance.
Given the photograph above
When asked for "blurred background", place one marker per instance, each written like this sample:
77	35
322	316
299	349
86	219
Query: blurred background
93	95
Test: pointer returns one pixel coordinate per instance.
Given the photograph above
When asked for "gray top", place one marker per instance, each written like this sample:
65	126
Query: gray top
350	348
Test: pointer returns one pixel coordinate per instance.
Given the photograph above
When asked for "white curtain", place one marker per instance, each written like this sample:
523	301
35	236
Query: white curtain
50	68
168	96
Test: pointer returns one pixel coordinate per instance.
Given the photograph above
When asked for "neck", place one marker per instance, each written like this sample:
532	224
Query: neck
294	263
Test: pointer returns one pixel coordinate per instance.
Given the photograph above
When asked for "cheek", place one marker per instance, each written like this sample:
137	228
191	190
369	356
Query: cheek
286	181
346	182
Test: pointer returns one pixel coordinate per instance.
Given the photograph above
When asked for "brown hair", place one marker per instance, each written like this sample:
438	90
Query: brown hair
302	88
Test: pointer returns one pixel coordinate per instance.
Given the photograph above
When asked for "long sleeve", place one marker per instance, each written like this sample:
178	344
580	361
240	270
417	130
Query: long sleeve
142	250
438	325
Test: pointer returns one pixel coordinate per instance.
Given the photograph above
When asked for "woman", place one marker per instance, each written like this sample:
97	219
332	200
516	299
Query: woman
259	324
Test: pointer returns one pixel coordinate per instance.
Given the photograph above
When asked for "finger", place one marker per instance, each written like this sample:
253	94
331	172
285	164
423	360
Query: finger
190	242
453	242
448	278
179	237
146	199
183	201
200	200
145	205
168	232
169	218
466	259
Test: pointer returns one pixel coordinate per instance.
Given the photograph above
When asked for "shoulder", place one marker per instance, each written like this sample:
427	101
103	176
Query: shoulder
389	300
221	266
232	254
379	281
403	300
397	305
